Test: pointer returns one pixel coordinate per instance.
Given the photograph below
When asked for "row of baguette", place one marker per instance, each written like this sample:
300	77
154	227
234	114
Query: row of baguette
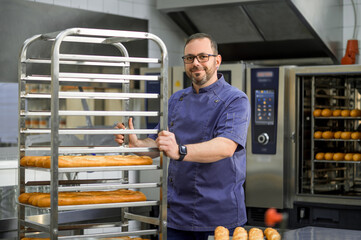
80	198
337	135
117	238
338	156
222	233
86	161
336	113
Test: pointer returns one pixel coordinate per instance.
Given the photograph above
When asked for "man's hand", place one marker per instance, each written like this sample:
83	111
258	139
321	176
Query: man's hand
167	143
119	138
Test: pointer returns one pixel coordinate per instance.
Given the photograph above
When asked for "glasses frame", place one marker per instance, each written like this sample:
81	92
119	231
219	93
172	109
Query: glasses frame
197	56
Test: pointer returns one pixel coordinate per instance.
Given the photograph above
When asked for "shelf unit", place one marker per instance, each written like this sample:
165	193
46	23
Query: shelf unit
56	64
338	93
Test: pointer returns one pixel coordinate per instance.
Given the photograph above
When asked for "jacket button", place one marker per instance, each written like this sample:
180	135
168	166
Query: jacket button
171	123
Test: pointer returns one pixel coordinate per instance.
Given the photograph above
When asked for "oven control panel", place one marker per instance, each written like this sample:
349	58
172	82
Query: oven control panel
264	101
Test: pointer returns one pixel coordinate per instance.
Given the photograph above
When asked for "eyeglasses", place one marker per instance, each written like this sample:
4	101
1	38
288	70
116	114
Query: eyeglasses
200	57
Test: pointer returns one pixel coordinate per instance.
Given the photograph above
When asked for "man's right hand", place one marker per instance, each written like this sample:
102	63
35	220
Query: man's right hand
119	138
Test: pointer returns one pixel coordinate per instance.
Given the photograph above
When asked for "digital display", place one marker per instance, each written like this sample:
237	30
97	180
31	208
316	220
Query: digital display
264	107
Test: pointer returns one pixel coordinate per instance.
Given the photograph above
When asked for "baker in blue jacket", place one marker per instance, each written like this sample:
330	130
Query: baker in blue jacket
206	142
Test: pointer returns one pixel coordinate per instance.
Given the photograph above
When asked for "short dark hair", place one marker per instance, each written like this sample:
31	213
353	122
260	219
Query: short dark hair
203	35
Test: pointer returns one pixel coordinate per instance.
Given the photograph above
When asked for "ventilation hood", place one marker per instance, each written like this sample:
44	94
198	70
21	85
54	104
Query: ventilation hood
264	29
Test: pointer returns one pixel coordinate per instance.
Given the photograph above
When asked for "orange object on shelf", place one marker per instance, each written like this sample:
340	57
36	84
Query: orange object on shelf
351	52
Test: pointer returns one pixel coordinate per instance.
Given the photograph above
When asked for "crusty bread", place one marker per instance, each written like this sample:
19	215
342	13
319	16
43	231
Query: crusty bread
80	198
240	234
221	233
255	234
272	234
86	161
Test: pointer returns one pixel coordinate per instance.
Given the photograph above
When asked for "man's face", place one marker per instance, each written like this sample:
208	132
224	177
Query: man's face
201	73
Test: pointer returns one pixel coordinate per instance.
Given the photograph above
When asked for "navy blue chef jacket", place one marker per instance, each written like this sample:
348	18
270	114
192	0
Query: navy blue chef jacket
202	196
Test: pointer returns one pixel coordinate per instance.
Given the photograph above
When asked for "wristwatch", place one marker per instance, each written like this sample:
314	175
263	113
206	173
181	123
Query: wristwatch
182	152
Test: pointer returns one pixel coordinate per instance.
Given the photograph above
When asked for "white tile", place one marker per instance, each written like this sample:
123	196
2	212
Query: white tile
95	5
142	11
82	4
146	2
125	9
111	6
8	177
65	3
45	1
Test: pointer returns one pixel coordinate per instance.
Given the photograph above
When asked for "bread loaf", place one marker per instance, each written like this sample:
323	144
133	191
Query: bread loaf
86	161
221	233
240	234
272	234
80	198
255	234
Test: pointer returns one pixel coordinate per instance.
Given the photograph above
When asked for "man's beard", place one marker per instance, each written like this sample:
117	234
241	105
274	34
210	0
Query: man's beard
204	80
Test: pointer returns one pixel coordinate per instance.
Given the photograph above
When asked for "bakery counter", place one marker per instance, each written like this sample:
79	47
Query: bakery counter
318	233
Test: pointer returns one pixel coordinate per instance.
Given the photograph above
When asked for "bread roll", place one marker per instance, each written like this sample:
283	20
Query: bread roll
317	135
337	135
255	234
221	233
356	135
272	234
317	112
346	135
328	156
327	135
355	113
348	156
320	156
336	113
338	156
356	157
326	112
345	113
240	234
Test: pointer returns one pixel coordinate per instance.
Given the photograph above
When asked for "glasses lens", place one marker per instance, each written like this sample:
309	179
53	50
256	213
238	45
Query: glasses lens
188	59
202	58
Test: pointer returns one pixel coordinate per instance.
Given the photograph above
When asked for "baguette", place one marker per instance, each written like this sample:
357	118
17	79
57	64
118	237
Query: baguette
221	233
80	198
240	234
86	161
272	234
255	234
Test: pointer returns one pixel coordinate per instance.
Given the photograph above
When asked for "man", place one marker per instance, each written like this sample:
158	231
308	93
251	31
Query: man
206	141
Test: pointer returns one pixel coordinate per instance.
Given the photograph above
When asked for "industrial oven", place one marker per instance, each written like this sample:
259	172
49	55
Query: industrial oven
304	144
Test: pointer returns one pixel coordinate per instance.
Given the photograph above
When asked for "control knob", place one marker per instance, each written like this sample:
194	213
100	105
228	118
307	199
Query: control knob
263	138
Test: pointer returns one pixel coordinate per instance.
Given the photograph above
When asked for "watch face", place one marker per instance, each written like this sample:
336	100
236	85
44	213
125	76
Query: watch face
182	150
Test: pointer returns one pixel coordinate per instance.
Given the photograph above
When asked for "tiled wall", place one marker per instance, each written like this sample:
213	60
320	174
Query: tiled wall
159	23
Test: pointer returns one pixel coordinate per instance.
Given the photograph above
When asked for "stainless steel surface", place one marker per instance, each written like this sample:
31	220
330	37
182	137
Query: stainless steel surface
266	173
93	95
261	24
92	131
80	149
94	113
114	38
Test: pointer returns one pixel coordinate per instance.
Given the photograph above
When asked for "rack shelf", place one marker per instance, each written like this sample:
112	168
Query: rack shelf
114	71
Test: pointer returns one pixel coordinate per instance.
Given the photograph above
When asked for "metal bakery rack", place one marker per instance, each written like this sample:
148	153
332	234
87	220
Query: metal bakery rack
52	73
